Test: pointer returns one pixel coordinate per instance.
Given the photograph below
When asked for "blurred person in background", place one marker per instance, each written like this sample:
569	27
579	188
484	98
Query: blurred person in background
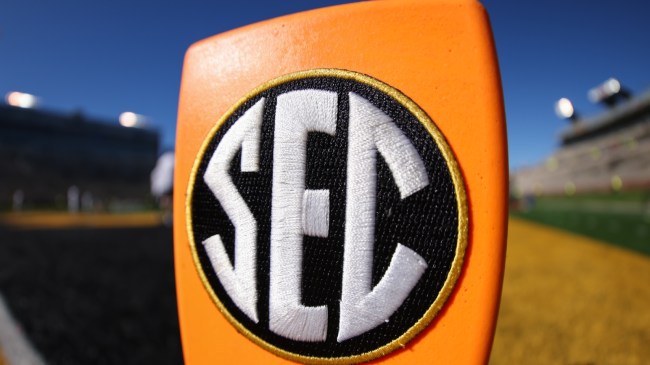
162	185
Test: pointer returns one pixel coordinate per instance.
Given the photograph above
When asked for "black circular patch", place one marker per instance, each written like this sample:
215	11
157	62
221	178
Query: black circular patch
432	222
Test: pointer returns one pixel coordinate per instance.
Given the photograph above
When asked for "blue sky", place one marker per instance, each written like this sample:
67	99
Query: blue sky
112	56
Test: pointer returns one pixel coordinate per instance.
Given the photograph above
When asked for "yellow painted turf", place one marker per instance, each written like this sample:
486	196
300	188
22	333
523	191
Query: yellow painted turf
88	220
568	299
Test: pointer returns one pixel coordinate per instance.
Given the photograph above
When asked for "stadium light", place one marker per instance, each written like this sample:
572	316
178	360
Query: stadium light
21	100
608	93
565	110
131	119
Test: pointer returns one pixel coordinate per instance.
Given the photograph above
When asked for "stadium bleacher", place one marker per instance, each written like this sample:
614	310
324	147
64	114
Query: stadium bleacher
609	152
44	156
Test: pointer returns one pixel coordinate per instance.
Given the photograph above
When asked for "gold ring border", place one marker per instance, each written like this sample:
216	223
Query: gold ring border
461	200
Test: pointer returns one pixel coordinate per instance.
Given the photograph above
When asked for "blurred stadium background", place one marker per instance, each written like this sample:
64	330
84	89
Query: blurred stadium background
580	295
597	182
53	161
86	263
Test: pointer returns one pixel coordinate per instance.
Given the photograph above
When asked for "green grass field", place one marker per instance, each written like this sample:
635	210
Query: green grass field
619	218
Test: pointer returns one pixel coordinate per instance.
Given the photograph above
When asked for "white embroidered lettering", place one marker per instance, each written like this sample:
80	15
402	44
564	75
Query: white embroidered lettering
297	114
363	307
238	278
316	213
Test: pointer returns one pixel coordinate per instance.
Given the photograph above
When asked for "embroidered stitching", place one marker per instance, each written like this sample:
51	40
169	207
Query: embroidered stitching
371	294
297	113
237	278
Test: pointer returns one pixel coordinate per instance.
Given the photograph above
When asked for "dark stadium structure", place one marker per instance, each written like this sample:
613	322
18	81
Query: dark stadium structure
606	153
47	158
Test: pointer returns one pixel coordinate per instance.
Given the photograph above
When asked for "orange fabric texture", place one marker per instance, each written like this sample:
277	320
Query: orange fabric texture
438	53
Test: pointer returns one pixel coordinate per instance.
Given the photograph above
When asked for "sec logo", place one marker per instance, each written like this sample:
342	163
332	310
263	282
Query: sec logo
327	217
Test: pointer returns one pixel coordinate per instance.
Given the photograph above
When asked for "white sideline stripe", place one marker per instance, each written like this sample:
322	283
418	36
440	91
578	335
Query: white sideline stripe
17	350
